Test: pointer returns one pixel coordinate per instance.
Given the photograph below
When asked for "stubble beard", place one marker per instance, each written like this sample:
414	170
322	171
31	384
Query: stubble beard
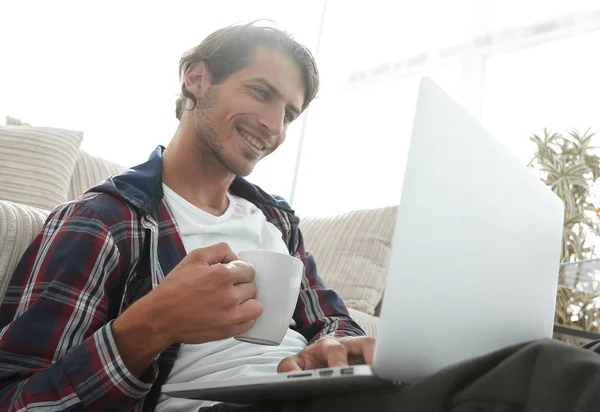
211	150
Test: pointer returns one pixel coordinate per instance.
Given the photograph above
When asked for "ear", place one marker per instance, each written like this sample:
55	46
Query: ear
197	79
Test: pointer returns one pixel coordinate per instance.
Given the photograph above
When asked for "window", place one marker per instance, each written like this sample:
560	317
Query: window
554	85
356	144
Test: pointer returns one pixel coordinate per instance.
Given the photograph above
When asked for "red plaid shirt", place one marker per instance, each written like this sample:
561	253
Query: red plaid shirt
94	257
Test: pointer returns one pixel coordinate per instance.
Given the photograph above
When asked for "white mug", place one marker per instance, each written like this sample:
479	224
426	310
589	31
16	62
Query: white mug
277	280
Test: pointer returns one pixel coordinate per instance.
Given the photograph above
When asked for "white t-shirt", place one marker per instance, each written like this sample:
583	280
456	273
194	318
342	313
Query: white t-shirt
244	227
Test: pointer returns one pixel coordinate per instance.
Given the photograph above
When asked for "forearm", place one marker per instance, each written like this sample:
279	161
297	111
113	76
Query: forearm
91	376
140	335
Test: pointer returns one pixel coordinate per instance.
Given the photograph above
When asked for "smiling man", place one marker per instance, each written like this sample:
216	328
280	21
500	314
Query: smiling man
142	285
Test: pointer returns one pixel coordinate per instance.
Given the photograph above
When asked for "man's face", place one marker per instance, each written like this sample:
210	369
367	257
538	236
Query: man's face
245	118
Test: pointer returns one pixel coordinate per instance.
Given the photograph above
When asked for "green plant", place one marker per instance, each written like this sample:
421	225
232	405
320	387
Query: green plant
569	165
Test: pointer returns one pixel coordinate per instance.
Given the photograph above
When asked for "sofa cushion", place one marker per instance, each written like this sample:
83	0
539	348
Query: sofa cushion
18	226
369	323
352	253
90	170
36	164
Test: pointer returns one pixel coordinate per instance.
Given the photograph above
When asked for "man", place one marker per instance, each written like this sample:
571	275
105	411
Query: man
92	321
137	283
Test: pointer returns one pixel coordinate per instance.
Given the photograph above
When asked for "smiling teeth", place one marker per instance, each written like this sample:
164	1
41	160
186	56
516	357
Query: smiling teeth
252	141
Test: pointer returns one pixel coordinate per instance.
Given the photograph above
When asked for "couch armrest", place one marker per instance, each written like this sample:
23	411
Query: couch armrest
19	224
368	322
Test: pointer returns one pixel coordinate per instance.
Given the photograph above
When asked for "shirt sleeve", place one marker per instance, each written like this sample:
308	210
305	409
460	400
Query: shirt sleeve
57	350
320	311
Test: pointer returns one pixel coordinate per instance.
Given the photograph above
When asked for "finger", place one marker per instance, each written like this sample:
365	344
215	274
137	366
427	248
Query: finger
240	271
249	310
240	328
361	348
245	291
212	255
290	364
228	332
333	352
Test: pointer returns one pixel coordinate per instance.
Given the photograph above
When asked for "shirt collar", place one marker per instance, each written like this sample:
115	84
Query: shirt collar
141	186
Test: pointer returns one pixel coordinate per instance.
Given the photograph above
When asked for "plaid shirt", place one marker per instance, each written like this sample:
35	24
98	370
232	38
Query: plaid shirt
94	257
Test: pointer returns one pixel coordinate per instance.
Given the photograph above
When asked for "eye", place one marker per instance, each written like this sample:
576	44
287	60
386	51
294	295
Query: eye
261	92
289	117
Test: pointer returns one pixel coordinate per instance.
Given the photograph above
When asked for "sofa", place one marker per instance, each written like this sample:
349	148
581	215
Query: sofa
42	167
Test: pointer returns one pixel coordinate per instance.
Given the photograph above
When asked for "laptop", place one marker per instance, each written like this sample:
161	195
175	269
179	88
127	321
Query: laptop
473	268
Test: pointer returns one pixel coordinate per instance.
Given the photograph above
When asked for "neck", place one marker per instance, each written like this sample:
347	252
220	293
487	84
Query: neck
194	174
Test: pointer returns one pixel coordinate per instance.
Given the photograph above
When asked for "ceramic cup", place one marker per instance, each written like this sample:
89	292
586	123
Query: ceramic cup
277	280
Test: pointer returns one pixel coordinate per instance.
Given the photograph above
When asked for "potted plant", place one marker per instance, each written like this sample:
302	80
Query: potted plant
570	166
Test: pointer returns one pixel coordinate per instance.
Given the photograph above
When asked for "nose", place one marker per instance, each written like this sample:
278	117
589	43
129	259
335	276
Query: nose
273	118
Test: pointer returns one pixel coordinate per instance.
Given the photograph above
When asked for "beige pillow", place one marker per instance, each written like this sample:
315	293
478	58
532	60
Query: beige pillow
352	253
36	164
19	224
90	170
369	323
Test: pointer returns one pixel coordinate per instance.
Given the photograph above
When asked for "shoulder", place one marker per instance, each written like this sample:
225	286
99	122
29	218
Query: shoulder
95	208
282	203
96	223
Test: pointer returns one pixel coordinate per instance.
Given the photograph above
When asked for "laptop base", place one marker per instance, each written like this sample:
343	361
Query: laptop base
289	386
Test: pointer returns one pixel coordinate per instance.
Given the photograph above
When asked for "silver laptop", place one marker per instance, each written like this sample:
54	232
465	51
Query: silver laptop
474	263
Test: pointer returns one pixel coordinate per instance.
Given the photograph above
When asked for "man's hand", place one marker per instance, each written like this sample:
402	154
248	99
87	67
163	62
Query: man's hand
209	296
331	352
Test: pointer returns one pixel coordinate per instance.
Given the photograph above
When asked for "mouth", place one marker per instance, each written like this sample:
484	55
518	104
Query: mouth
255	142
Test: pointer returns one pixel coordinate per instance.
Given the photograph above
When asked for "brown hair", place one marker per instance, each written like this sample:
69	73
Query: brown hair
230	49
